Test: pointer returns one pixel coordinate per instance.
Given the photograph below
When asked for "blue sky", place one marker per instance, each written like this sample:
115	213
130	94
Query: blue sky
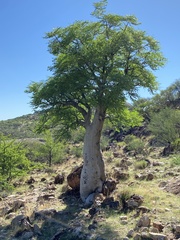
23	50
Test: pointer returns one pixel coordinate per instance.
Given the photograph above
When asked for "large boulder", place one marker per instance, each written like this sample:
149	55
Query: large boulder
73	178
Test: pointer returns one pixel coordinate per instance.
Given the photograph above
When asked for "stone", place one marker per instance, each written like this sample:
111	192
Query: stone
123	218
16	205
20	224
144	221
137	236
59	179
157	236
142	209
134	201
73	178
158	225
177	231
154	230
149	177
130	233
177	228
120	175
46	197
108	187
30	180
42	214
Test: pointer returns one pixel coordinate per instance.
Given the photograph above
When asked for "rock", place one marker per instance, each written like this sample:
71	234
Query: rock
144	221
134	201
37	230
46	197
73	178
130	233
116	154
149	177
93	211
43	179
44	213
140	176
16	205
20	224
162	184
123	218
30	180
90	200
111	203
154	230
142	209
158	225
27	235
120	175
137	236
59	179
108	187
145	235
156	164
157	236
177	231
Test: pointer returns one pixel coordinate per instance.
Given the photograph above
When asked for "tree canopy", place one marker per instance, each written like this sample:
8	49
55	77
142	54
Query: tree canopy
96	64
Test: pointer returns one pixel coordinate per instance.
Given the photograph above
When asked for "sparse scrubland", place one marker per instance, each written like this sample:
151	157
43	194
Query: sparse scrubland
142	204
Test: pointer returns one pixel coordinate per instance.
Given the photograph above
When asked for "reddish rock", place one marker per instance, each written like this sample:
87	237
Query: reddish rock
73	178
59	179
108	187
158	225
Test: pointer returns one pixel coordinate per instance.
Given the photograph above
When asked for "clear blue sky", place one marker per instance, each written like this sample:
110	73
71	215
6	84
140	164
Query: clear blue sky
23	50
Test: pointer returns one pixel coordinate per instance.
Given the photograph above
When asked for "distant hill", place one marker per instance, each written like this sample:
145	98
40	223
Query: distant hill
20	127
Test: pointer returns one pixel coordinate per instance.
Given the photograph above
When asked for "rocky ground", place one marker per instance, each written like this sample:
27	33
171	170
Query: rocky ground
139	201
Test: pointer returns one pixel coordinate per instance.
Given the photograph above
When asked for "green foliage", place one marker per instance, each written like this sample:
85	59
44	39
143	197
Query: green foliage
52	150
168	98
96	64
77	135
165	125
13	160
176	144
134	144
76	151
140	164
175	161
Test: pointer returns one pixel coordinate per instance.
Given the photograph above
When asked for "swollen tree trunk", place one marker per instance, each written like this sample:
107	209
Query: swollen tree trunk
93	172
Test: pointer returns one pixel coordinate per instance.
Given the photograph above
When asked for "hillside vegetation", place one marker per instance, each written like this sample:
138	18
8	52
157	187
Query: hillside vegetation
39	196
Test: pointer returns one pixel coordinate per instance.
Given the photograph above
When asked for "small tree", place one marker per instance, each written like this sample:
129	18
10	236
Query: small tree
53	150
13	160
96	65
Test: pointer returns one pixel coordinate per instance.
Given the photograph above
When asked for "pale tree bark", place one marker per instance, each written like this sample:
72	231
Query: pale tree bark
93	172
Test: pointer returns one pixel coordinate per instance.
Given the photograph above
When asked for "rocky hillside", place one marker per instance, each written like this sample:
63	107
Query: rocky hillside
20	127
140	200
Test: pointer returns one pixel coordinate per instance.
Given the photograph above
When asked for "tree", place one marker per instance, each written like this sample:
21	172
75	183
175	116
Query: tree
96	66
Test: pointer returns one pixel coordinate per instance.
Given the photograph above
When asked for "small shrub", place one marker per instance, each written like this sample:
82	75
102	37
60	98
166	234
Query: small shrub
175	161
140	164
134	144
124	195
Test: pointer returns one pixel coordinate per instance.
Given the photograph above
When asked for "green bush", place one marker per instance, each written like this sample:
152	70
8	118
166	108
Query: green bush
134	144
13	160
140	164
175	161
165	125
76	151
